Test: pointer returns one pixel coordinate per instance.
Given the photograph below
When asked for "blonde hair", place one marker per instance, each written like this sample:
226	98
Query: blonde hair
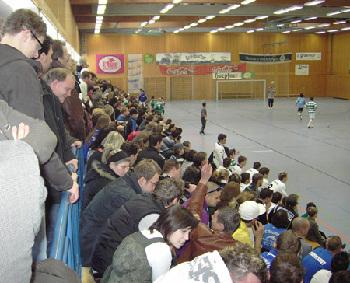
112	142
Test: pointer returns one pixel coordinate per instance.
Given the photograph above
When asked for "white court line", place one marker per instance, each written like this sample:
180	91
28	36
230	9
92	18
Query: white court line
262	151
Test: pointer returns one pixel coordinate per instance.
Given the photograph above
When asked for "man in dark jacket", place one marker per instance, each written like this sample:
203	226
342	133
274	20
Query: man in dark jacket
152	151
19	85
109	199
73	112
135	215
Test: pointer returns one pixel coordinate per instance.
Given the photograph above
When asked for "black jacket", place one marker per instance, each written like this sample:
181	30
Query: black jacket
121	224
54	119
151	153
104	204
95	180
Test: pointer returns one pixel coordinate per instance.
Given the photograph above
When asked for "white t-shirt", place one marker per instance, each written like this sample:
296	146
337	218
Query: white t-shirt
279	186
208	267
158	255
321	276
251	172
243	186
218	154
236	169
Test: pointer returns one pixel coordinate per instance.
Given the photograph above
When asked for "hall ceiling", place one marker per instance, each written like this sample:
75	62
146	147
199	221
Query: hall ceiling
126	16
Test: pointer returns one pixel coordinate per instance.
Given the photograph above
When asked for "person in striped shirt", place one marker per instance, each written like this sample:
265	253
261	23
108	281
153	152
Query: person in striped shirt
311	107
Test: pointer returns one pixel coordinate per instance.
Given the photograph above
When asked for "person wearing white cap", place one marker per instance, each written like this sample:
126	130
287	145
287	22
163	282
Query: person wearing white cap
249	211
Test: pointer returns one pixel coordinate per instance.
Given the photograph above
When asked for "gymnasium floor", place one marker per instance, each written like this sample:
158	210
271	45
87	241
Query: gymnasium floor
317	160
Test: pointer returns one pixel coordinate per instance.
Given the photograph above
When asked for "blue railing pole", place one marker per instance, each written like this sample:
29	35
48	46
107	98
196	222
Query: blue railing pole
65	245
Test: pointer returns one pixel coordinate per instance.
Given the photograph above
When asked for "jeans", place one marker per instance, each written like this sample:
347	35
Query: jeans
203	121
270	102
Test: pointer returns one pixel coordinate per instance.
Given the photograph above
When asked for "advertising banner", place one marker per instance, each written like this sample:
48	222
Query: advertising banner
135	73
197	70
109	63
265	58
233	75
199	58
308	56
302	70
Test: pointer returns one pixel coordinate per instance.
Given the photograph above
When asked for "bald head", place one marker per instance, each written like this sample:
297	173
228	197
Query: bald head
300	226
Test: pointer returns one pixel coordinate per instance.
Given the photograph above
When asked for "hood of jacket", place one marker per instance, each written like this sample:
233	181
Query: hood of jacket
103	170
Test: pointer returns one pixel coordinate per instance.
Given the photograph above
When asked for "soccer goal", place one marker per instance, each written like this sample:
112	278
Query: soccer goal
228	89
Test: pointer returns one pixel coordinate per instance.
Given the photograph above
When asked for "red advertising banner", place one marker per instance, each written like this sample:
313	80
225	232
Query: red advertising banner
200	69
109	63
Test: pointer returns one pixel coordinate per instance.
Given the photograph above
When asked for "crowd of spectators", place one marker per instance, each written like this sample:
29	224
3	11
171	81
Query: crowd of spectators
153	208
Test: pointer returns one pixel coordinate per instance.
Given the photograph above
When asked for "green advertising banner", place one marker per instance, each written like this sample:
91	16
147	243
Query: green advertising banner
148	58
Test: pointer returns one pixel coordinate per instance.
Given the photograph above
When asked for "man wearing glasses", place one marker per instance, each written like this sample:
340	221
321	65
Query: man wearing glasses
22	37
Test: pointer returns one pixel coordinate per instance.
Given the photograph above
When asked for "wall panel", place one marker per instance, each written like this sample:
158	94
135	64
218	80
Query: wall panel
203	86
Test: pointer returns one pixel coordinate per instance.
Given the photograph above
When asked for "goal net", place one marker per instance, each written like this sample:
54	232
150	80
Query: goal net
229	89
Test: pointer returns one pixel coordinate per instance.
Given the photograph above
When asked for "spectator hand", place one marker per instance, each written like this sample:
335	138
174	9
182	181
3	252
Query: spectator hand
258	230
77	144
21	132
74	162
74	193
206	172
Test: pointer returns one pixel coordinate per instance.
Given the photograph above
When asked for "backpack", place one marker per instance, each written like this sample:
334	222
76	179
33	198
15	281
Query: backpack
130	263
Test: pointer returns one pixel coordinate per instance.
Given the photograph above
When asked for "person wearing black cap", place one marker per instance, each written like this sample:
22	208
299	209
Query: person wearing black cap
118	164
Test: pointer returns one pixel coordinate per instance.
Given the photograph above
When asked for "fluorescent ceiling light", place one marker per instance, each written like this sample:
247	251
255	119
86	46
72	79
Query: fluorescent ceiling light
248	21
314	3
311	18
296	21
176	31
201	21
194	24
323	25
102	2
295	30
177	1
221	29
345	11
166	8
101	9
233	7
97	31
210	17
347	28
213	31
99	18
144	24
287	31
339	22
99	21
289	9
238	24
246	2
333	13
280	25
186	27
310	27
261	17
259	29
250	31
332	30
229	27
224	11
322	31
151	21
156	18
